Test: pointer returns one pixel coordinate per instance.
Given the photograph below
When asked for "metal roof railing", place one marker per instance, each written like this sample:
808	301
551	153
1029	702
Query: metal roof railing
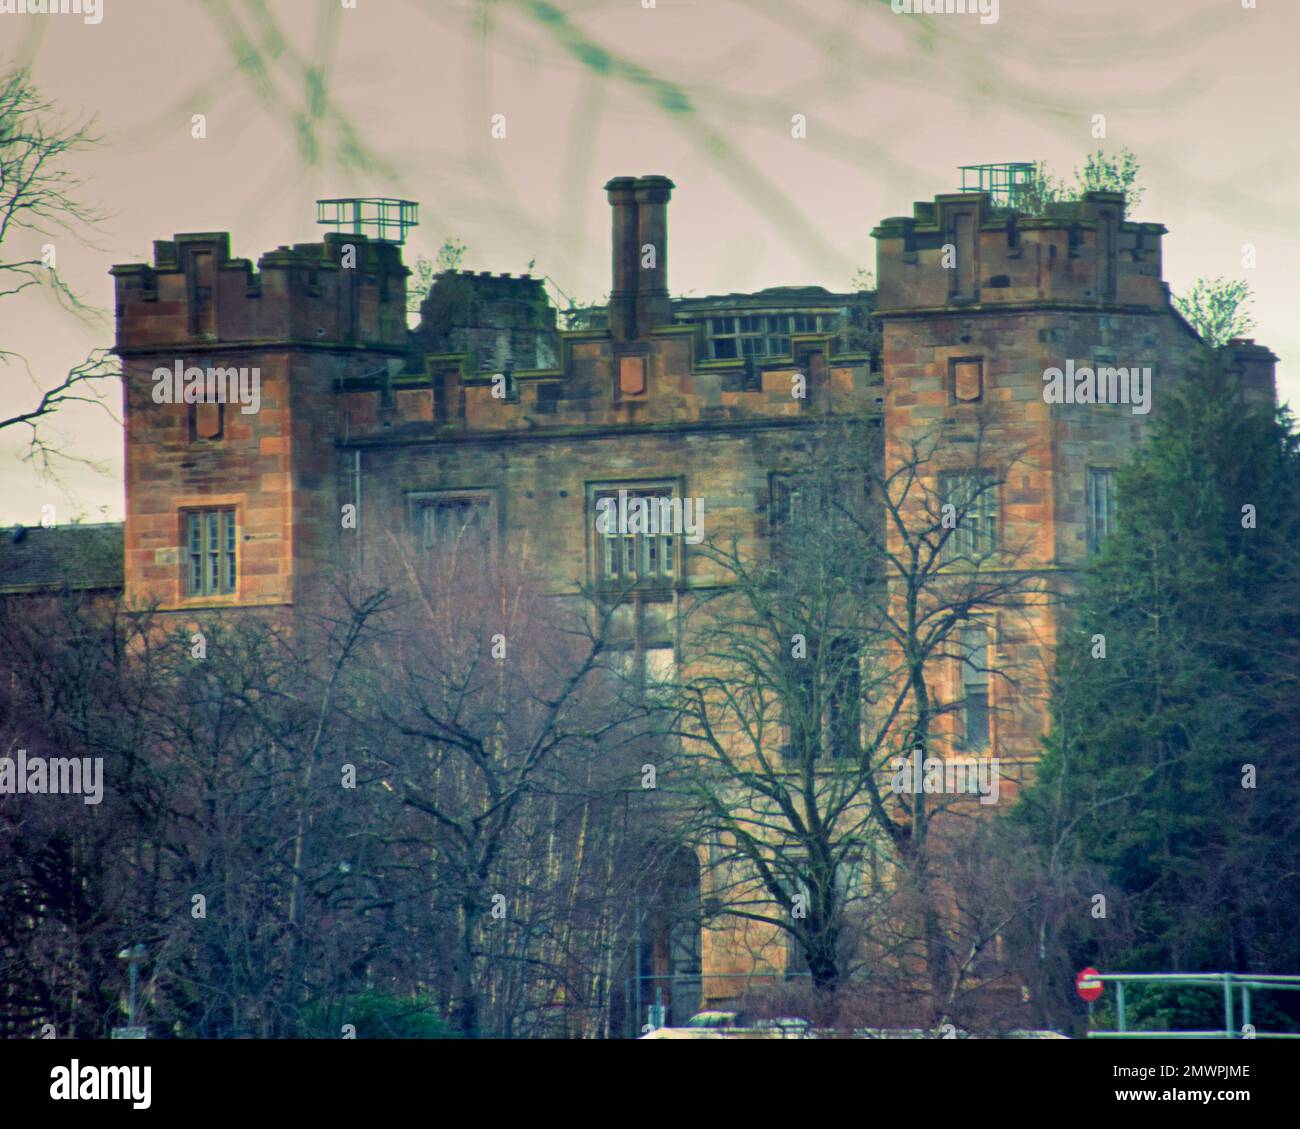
377	217
1005	181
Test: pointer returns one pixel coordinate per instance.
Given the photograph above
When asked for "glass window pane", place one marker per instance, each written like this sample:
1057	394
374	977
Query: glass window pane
1101	506
659	666
974	650
622	623
622	662
977	718
640	555
657	621
457	525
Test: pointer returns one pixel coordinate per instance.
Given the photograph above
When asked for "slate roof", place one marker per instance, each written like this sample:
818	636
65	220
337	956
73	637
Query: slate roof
33	559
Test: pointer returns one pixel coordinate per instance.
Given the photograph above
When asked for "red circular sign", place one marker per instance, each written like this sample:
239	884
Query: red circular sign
1087	984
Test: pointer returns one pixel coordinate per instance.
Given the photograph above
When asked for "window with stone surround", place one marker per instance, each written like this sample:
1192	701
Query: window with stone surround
849	884
640	641
790	879
210	552
825	716
759	335
795	503
844	700
975	688
636	544
807	506
1102	498
974	502
462	523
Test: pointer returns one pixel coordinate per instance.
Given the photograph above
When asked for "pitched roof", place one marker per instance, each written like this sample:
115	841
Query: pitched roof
34	559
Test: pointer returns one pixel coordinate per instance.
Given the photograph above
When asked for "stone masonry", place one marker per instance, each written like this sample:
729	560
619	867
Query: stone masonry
528	423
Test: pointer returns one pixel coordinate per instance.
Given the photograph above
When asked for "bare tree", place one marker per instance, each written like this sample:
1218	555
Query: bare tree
500	728
811	674
38	200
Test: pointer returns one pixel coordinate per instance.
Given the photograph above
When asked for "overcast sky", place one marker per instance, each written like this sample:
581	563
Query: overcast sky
396	98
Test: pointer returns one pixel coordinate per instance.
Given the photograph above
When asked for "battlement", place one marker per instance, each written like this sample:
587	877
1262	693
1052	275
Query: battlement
503	323
962	250
497	286
348	290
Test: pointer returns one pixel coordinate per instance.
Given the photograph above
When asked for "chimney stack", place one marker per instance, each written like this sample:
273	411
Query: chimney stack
639	298
622	296
653	305
1255	364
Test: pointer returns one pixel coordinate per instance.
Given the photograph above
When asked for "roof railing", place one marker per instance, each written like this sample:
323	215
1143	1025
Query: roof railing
380	218
1005	181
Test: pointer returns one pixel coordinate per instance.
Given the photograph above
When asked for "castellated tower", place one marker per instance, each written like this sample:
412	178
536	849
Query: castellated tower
235	503
977	303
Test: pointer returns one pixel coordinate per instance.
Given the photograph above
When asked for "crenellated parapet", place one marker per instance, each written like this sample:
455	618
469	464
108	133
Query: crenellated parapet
960	250
348	290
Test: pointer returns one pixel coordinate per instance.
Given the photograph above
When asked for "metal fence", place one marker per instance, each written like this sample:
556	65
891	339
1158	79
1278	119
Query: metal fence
1236	987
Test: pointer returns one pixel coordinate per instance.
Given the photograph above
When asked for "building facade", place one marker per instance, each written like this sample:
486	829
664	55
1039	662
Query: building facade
487	421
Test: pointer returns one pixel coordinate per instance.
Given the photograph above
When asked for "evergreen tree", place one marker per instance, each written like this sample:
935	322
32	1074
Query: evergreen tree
1172	765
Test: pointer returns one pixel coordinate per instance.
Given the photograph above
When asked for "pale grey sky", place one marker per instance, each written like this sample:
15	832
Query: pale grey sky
307	98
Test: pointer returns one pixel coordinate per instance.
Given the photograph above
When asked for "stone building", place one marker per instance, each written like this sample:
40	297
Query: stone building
489	420
977	303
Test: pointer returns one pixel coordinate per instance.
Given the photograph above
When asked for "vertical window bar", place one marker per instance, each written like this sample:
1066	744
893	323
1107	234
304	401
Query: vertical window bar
194	537
212	550
229	519
642	555
211	544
